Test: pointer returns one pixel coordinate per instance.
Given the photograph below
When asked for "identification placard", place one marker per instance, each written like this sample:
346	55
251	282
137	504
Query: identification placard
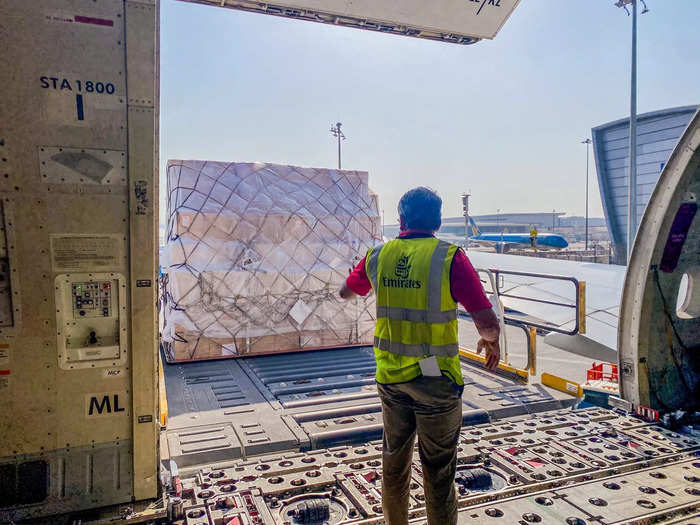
87	252
429	367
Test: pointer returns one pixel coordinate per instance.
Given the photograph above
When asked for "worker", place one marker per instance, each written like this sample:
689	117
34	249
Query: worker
418	280
533	236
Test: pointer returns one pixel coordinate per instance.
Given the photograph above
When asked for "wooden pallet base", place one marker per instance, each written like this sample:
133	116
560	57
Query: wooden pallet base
196	348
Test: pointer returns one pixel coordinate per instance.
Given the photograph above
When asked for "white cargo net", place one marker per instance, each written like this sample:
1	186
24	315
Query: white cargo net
256	254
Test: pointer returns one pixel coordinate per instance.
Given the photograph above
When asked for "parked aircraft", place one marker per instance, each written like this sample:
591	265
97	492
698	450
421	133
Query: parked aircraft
504	241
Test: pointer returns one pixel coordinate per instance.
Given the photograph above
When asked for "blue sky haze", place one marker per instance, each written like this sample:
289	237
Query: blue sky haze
503	118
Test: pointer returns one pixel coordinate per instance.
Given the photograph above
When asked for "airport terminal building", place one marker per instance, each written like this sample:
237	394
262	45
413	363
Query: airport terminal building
495	223
658	133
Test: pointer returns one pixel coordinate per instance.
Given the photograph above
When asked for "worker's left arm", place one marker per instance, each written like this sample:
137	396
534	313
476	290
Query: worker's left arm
346	292
466	289
357	283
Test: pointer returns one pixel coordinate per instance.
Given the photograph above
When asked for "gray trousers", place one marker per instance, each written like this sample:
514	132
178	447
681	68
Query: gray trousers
432	408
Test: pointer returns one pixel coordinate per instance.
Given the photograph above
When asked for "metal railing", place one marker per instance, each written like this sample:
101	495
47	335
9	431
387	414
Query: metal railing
497	305
579	302
530	324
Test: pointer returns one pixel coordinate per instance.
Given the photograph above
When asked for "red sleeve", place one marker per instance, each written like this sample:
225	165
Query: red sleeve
465	285
358	281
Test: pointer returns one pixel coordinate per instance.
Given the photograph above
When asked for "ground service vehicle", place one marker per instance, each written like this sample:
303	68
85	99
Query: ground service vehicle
272	440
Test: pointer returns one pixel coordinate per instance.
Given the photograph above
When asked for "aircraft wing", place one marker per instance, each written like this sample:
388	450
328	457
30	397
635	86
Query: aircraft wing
490	242
603	294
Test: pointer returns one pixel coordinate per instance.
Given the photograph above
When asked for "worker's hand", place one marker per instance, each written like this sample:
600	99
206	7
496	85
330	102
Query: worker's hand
493	352
345	292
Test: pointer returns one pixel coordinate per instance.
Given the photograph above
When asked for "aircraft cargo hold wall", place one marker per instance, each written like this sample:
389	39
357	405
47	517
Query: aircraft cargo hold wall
78	132
255	257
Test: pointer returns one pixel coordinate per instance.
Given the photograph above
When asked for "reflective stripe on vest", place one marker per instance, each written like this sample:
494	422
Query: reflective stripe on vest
373	264
415	315
435	276
396	347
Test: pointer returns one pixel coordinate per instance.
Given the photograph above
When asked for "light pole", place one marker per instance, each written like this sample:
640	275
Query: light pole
553	215
587	142
465	209
632	180
336	132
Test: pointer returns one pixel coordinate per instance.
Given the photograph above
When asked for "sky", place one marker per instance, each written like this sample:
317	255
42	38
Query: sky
503	118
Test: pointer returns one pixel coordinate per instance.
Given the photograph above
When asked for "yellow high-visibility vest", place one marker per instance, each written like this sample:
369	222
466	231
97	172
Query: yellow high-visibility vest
416	314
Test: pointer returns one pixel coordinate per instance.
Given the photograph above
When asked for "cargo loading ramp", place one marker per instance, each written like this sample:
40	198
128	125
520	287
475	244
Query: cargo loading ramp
235	408
228	409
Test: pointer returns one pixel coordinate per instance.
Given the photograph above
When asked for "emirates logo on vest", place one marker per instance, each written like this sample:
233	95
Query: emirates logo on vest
402	267
402	270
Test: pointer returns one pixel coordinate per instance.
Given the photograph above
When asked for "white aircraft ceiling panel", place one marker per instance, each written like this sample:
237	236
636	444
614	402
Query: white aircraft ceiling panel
448	20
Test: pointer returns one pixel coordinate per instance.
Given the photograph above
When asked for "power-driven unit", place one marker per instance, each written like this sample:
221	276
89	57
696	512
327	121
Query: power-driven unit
78	189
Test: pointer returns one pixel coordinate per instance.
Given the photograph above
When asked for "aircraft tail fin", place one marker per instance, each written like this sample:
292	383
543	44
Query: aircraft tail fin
475	228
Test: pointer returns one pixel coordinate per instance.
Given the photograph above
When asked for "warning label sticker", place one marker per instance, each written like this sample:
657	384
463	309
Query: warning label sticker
4	355
4	381
86	252
72	18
